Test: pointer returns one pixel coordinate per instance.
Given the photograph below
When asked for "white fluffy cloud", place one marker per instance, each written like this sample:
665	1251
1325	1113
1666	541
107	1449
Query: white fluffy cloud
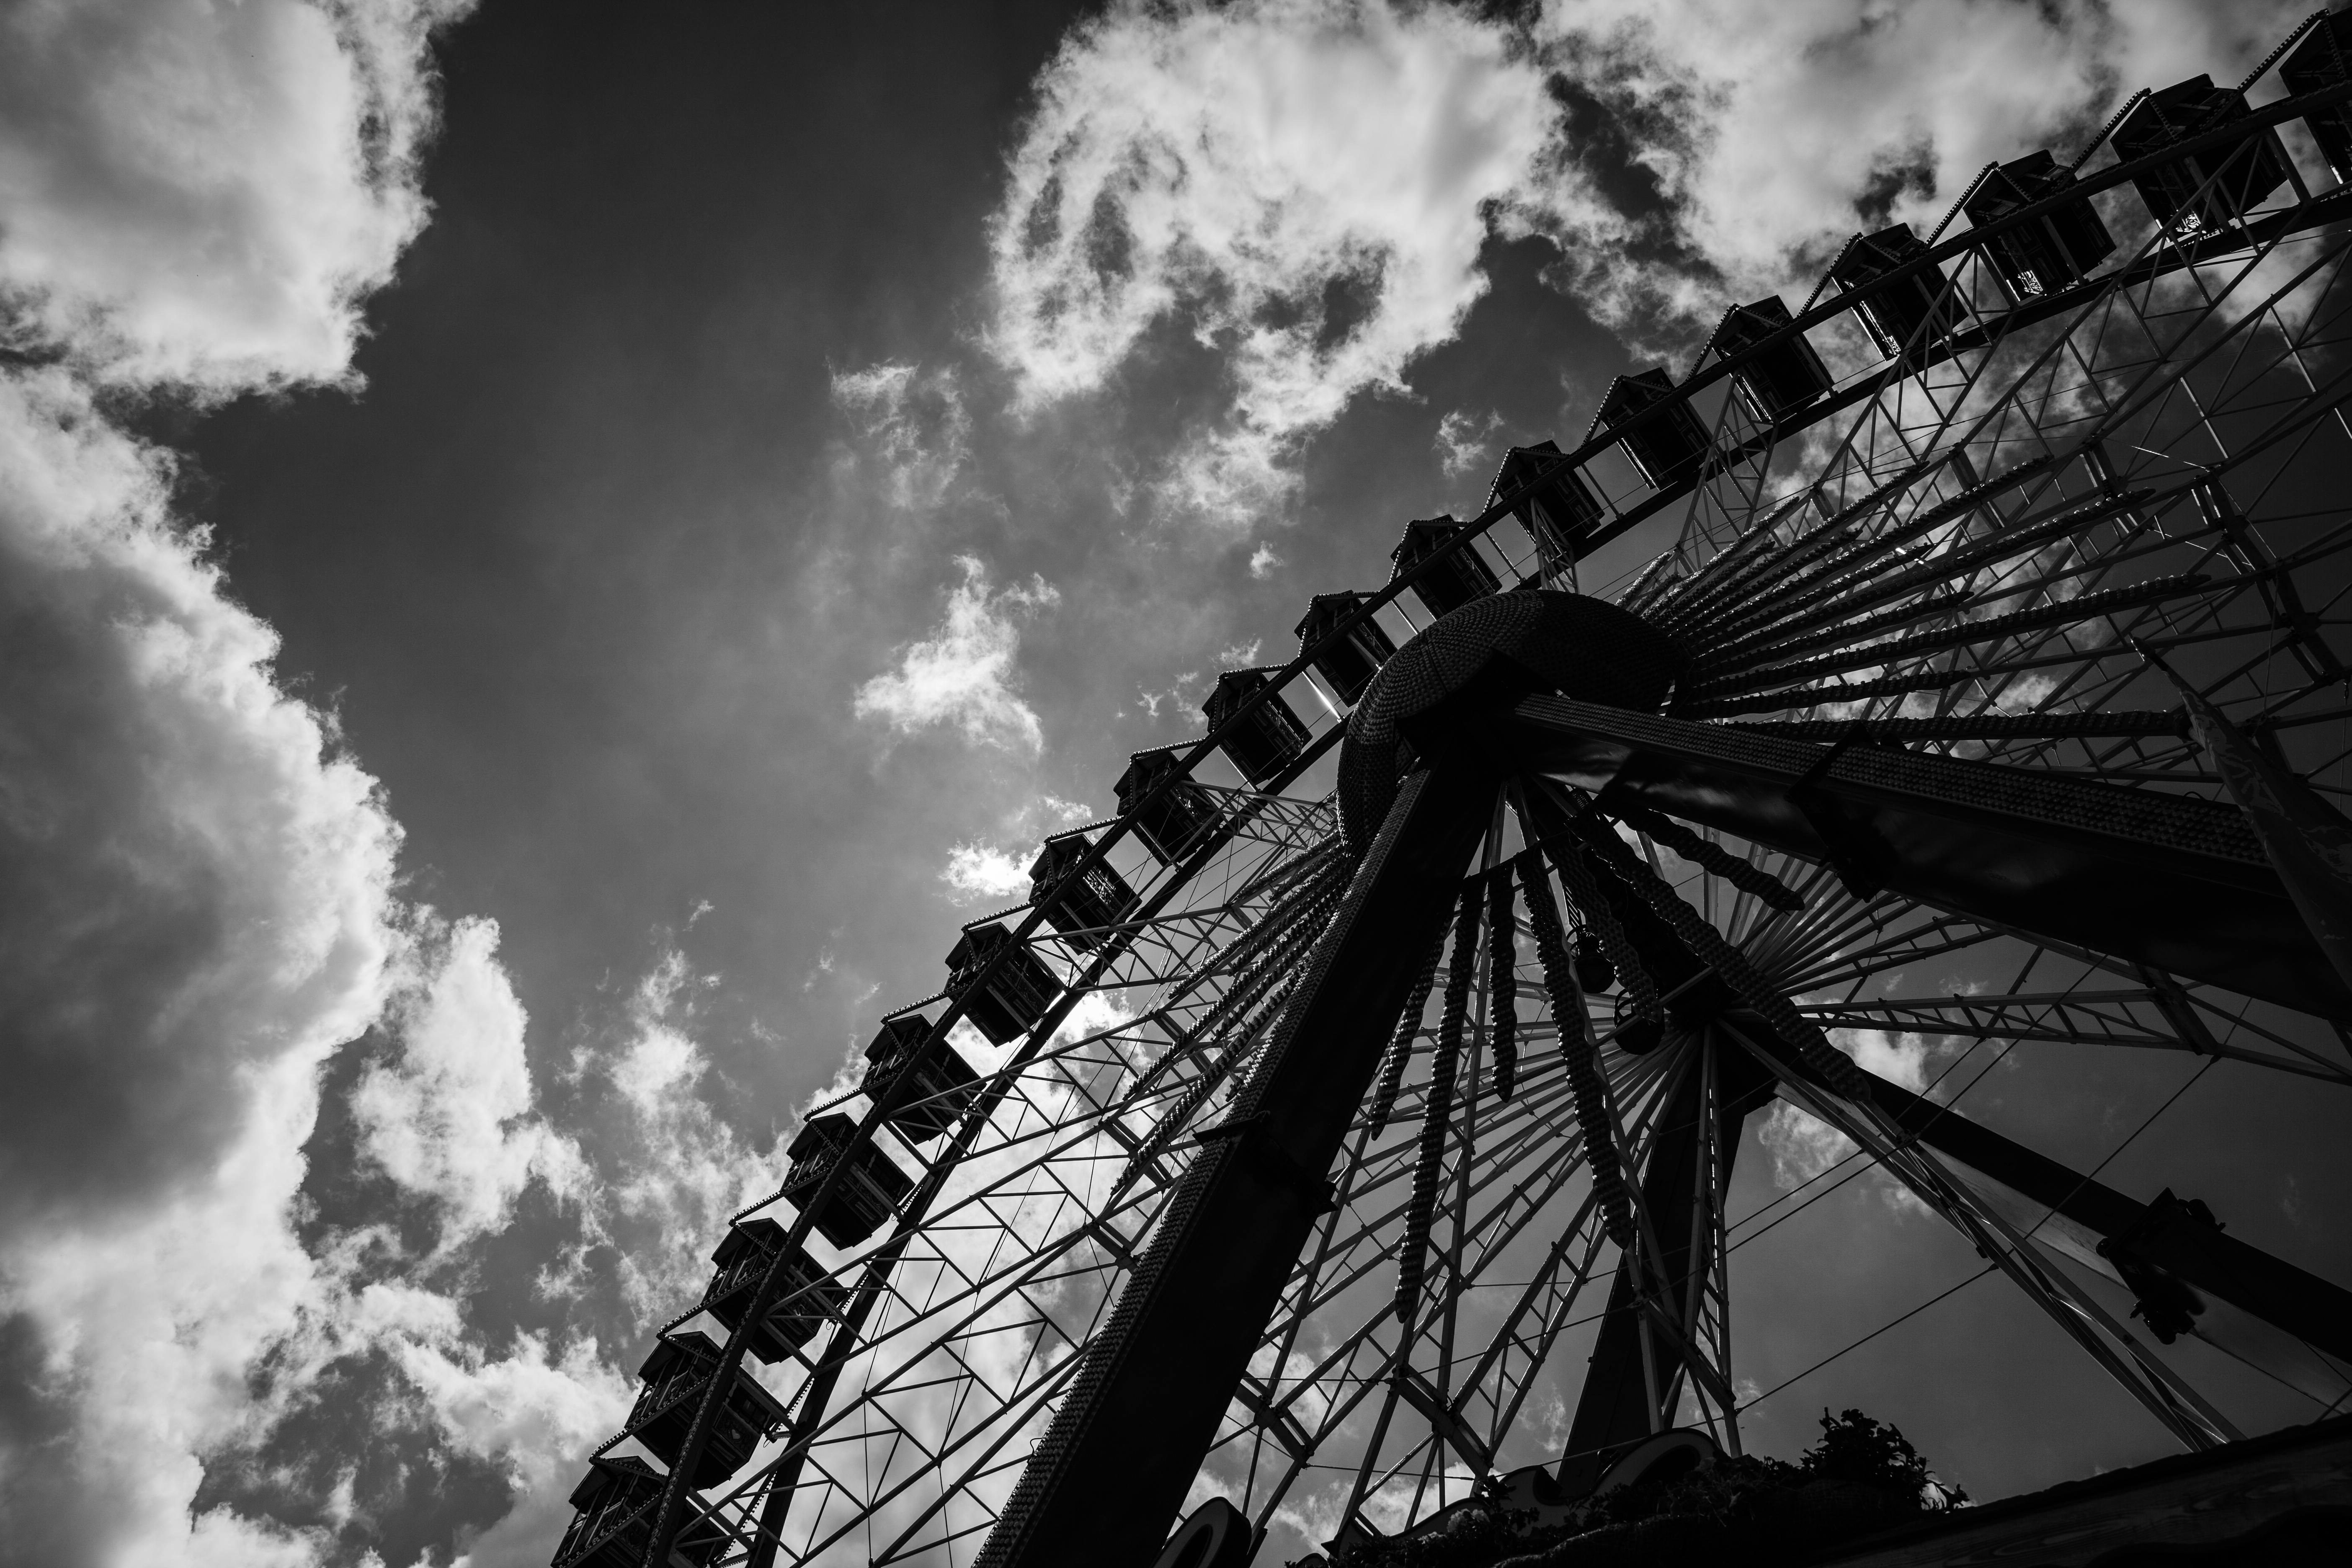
531	1415
984	868
1769	133
200	904
671	1170
1802	1144
196	877
984	871
1305	185
451	1117
657	1186
1466	444
197	888
962	674
1899	1058
203	194
149	1321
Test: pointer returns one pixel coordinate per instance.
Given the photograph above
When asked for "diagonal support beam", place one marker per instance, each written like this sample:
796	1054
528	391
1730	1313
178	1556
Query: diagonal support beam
2156	1246
1616	1405
2155	879
2164	1233
1107	1480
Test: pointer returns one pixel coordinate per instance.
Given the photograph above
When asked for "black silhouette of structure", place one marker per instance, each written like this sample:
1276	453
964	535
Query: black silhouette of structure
1082	904
1662	448
1780	379
1444	580
1265	735
1348	660
1901	297
2022	681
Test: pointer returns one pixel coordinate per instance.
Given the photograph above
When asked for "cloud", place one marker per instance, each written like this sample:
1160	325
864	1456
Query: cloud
1463	442
1901	1058
200	906
1263	561
450	1117
530	1416
1063	813
1802	1144
668	1170
1300	185
912	424
196	877
202	194
1734	148
198	887
984	871
653	1182
148	1320
1303	187
962	674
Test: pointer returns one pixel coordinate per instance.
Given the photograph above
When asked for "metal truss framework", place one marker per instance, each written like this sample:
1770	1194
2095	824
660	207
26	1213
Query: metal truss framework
1973	545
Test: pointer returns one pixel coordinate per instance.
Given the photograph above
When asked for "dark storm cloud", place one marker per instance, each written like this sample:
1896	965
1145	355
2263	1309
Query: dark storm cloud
164	809
197	913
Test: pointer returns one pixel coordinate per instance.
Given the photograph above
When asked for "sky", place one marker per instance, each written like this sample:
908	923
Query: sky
551	554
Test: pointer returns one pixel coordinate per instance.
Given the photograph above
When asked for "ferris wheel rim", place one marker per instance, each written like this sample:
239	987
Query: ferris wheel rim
2313	212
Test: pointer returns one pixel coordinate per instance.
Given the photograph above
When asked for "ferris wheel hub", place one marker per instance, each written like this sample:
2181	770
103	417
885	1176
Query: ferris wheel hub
1491	653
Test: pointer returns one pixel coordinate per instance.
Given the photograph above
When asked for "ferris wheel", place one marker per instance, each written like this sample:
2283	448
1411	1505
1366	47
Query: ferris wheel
1374	1079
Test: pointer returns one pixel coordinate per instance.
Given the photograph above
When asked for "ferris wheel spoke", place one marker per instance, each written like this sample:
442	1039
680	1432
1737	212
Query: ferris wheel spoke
2191	1008
2162	1018
1933	938
876	1404
984	1287
2171	333
987	1461
2156	1010
1853	936
1554	1162
1293	1322
2174	369
1552	1306
1346	1353
2157	1387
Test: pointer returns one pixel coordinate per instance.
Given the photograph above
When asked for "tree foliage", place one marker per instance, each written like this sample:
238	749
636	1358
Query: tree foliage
1862	1475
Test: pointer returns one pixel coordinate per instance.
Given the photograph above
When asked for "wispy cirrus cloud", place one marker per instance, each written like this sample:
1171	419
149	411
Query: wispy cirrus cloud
963	674
1466	442
911	426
